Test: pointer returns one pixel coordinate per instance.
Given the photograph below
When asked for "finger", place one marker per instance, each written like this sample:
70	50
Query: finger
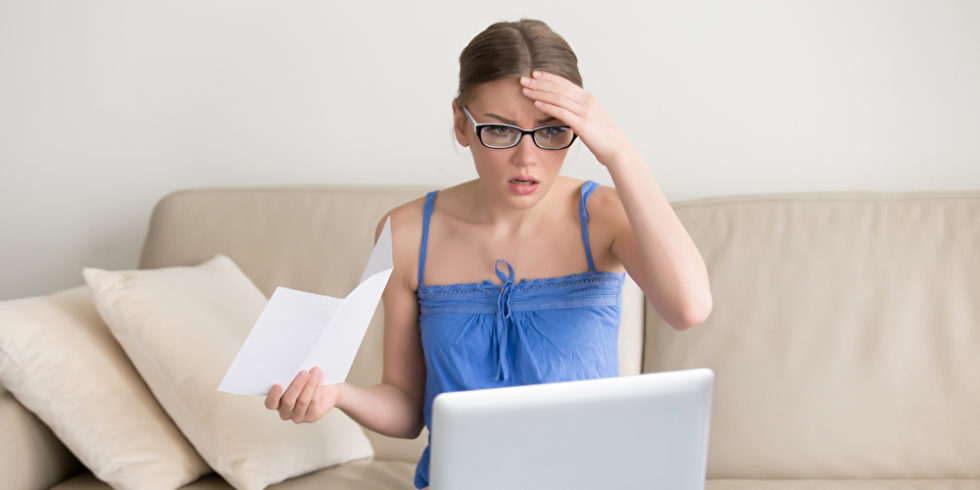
562	114
288	400
533	87
549	82
313	412
303	402
325	399
554	98
272	399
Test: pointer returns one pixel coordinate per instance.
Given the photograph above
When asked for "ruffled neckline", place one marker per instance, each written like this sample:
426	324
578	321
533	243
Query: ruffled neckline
486	284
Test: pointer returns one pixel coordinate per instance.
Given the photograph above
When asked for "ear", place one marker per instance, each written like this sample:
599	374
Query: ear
461	125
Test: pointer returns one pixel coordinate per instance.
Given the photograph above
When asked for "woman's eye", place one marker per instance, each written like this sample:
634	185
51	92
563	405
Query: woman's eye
500	130
554	130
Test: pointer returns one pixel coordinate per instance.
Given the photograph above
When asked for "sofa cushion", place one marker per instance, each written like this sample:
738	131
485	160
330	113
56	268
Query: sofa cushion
356	475
182	327
845	335
59	359
385	475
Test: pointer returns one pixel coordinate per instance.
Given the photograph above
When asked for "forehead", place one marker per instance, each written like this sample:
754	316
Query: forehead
504	98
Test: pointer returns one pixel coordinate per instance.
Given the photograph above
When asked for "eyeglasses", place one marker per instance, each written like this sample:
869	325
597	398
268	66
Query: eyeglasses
499	136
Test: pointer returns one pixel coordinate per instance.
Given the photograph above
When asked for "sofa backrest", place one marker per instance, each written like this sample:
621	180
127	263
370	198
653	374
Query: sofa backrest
844	335
317	239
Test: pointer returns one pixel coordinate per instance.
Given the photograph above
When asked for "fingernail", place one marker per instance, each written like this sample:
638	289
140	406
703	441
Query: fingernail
525	80
536	73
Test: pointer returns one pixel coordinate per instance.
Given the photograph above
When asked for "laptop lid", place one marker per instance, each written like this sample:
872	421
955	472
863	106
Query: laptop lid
630	432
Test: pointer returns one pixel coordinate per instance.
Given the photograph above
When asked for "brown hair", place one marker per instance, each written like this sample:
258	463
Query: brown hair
515	49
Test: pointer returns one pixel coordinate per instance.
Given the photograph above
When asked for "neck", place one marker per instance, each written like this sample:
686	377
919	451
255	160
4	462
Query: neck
506	219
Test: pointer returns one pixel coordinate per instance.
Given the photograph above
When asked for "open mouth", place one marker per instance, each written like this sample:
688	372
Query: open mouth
523	181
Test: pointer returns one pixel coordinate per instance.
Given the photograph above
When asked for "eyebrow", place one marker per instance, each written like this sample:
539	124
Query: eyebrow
508	121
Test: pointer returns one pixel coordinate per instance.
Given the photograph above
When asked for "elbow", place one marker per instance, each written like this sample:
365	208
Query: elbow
403	432
414	433
417	432
694	315
416	429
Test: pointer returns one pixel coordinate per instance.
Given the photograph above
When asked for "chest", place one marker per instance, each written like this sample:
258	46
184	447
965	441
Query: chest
466	253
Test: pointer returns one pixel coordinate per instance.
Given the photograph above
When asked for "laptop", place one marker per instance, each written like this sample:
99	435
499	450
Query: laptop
648	431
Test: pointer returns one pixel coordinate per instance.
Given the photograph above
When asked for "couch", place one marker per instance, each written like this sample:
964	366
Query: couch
845	333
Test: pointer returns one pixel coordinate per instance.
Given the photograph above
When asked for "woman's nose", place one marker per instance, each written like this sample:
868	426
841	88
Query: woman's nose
526	152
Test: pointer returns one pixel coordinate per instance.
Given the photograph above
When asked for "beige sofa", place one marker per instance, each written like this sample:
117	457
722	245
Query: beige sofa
845	334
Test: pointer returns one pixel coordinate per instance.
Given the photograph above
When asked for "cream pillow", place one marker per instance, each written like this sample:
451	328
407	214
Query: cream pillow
182	327
60	361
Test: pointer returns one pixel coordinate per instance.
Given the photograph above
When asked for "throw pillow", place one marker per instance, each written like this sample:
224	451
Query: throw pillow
59	360
182	327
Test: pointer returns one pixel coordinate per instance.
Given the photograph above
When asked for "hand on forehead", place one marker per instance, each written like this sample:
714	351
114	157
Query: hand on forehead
503	101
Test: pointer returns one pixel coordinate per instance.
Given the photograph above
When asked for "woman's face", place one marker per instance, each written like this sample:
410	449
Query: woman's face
519	176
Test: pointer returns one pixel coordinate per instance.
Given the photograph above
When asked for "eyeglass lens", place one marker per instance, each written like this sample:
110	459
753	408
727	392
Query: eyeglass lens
546	137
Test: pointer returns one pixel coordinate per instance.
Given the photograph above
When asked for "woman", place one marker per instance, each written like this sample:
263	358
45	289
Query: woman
516	277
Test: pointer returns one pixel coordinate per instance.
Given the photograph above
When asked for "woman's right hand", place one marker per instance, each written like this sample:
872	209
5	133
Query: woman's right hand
306	399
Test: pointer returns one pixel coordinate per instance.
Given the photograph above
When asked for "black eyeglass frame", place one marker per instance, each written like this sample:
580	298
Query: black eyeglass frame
477	126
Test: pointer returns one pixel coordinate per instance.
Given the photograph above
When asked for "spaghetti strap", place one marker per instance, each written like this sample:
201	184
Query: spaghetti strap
583	216
426	214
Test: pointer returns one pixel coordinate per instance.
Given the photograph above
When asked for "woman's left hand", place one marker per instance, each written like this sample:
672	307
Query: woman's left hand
571	104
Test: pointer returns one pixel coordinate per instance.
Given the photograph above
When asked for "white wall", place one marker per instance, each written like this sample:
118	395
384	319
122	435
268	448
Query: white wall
106	106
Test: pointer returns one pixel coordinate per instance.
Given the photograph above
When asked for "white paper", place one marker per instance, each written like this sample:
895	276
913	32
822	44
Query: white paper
298	330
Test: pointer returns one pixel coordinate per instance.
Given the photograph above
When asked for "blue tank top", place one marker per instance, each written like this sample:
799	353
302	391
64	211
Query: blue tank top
483	335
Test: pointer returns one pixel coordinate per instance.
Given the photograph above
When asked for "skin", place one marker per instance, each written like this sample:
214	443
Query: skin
632	227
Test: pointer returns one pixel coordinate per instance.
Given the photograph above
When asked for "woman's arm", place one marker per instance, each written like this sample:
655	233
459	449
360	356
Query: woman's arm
650	240
394	406
653	245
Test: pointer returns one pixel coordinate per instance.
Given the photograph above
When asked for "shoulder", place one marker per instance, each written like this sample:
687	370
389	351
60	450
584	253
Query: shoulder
605	203
406	220
459	196
570	189
608	223
406	240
